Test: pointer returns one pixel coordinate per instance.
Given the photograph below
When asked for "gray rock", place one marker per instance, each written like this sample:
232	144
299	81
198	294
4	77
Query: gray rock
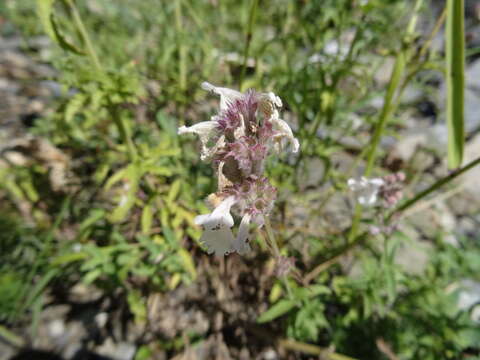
469	294
414	256
117	351
313	174
6	351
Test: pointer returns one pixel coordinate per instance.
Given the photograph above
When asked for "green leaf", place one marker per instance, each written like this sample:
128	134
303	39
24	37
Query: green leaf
280	308
69	258
115	178
40	287
127	200
455	49
61	40
147	217
44	10
174	190
91	276
188	263
47	18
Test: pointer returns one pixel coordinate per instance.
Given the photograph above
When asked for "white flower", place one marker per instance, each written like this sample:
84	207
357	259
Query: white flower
217	235
206	130
227	96
241	245
366	190
269	105
283	131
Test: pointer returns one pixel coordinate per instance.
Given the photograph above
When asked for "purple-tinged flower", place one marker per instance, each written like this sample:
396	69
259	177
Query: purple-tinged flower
388	189
206	131
227	96
238	140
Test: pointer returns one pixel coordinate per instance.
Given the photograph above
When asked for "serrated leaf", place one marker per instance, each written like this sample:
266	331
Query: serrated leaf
127	200
280	308
73	106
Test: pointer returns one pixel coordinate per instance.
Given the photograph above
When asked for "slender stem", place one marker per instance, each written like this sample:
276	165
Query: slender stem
182	50
119	121
333	259
434	32
271	238
83	31
276	254
248	40
434	187
11	337
125	134
389	107
324	353
387	110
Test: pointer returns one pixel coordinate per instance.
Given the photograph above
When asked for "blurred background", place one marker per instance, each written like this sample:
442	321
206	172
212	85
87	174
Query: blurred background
99	253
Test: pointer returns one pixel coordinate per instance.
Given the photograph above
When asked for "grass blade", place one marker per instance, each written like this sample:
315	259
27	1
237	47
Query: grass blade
455	48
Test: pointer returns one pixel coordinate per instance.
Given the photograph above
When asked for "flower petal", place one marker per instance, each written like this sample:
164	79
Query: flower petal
227	96
366	190
205	130
241	242
284	131
220	241
220	216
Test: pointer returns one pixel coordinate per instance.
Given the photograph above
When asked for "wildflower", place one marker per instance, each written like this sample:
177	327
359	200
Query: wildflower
237	141
388	189
366	190
217	236
391	192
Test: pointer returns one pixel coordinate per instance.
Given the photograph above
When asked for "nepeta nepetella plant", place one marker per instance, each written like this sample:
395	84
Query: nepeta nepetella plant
237	142
388	189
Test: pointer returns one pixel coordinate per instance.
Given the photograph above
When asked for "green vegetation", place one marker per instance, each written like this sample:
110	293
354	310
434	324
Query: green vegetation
120	214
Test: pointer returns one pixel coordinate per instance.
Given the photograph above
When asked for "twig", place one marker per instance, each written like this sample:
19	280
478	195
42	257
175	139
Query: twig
334	259
434	187
312	349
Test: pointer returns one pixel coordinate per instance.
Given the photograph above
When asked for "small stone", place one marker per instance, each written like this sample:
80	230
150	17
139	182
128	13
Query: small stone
101	319
117	351
56	328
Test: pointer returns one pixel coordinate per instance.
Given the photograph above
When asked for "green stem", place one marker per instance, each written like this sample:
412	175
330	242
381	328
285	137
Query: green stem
389	107
11	337
455	80
324	353
119	122
276	254
248	40
85	37
124	131
434	187
182	50
387	110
